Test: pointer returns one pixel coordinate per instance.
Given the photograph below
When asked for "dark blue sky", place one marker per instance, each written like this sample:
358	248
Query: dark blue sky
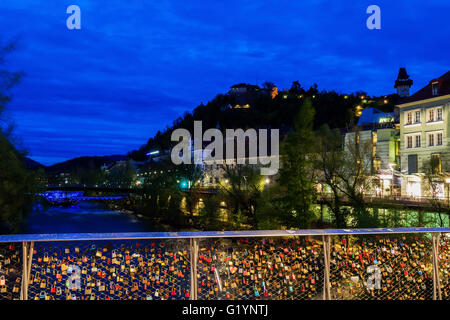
137	65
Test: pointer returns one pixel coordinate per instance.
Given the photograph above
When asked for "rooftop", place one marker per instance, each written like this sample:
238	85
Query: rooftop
443	88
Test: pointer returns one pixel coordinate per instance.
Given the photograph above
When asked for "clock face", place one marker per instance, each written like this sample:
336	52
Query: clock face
403	91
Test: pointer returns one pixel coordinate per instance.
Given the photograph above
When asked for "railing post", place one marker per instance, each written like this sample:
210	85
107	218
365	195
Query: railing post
437	294
193	258
27	258
30	259
326	258
24	287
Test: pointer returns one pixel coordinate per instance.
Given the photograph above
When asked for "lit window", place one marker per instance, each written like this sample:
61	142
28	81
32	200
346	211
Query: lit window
417	141
439	139
436	163
409	118
439	114
417	119
409	142
431	140
431	115
376	164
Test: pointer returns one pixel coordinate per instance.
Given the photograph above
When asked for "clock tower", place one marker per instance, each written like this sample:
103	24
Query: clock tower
403	83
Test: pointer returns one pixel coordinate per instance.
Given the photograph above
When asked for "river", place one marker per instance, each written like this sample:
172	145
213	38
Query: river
87	216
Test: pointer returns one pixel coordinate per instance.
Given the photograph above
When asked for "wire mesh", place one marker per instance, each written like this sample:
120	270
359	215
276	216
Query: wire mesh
385	267
259	269
10	271
444	265
362	267
113	270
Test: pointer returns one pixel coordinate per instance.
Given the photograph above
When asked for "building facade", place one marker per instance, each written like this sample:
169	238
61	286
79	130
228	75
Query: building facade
425	138
381	139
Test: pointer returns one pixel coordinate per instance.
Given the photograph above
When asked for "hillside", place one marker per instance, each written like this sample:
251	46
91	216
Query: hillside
262	109
93	162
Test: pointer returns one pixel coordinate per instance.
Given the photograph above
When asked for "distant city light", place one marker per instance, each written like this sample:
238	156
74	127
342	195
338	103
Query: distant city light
184	184
153	153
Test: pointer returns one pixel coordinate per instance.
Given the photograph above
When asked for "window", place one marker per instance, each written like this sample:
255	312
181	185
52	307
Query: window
435	88
436	163
409	142
409	118
439	139
439	114
417	118
417	141
431	115
377	164
412	163
431	140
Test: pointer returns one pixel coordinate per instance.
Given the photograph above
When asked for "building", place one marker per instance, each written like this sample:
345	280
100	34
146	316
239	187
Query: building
425	135
245	94
378	134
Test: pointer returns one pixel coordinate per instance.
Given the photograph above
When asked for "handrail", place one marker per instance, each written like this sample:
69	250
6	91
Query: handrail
209	234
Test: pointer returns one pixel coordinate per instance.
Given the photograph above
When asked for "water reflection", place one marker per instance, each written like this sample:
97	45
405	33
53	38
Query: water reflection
86	216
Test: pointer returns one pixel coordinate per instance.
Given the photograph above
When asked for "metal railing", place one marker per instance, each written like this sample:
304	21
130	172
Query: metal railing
311	264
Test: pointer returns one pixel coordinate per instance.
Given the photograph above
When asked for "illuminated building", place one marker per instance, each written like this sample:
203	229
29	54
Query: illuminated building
425	135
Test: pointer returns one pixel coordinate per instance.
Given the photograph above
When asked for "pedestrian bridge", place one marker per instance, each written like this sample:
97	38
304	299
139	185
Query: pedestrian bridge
362	264
74	196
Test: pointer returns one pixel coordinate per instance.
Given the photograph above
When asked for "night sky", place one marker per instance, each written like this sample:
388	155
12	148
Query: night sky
137	65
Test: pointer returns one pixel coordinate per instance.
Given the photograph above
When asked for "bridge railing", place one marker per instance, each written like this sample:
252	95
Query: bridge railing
299	265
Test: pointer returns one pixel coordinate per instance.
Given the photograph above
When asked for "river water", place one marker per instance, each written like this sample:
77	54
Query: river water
87	216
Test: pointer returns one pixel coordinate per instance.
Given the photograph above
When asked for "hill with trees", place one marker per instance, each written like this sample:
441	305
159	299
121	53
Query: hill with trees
337	110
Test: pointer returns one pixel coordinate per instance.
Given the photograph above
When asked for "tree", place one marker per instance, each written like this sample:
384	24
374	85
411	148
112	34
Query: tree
296	88
122	174
17	184
344	171
209	214
241	188
434	185
356	179
296	174
192	175
328	162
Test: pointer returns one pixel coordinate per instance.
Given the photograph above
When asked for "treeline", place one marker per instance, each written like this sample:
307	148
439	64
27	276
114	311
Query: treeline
337	110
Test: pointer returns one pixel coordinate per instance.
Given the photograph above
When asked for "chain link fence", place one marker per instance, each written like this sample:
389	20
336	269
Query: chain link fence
253	265
383	267
10	270
114	270
444	265
253	268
